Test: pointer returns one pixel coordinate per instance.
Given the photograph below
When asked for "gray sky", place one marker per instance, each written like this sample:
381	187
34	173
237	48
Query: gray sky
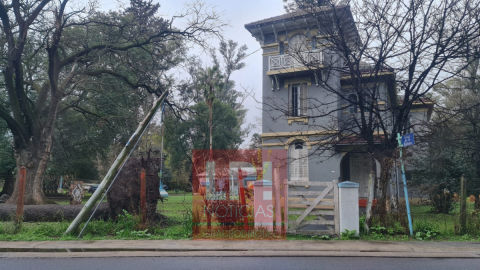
237	14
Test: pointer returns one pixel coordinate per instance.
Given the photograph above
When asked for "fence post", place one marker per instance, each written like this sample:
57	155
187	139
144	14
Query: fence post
143	195
242	200
285	204
336	208
21	197
371	187
463	203
278	207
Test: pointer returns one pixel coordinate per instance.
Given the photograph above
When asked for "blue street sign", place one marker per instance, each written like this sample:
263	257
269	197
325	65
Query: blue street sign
408	140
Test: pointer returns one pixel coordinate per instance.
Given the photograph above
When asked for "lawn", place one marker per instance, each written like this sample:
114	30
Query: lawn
178	224
175	226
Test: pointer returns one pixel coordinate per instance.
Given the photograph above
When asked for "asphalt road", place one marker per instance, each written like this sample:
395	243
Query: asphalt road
250	263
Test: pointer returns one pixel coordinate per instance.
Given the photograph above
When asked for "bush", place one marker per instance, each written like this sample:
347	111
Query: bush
441	199
425	230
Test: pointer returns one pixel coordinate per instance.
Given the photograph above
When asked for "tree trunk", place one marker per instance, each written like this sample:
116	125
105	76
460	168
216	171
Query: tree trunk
385	176
50	212
35	157
9	184
33	185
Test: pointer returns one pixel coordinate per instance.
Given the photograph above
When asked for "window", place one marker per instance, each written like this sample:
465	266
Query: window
353	103
281	48
408	125
314	43
367	100
298	168
297	44
297	102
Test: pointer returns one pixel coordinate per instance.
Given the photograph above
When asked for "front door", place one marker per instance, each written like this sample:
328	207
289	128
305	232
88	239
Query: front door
360	167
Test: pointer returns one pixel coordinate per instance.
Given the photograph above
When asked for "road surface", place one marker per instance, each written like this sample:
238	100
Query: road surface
250	263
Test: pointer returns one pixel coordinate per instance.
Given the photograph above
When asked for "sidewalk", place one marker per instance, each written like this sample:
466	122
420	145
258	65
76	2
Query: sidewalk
189	248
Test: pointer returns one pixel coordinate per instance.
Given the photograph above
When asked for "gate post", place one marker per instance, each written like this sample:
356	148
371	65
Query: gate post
263	205
336	211
348	202
278	207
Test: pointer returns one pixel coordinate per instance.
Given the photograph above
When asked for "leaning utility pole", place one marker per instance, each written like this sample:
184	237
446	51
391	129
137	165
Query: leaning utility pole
117	165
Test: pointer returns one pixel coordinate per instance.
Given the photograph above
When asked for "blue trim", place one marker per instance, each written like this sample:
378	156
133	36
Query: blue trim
348	184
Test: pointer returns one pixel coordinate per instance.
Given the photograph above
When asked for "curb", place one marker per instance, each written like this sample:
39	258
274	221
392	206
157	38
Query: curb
110	254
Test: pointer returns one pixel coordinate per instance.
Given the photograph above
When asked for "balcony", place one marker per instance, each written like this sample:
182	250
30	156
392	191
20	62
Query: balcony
286	63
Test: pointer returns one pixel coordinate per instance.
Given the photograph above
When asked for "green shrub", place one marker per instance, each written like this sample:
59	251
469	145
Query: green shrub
425	230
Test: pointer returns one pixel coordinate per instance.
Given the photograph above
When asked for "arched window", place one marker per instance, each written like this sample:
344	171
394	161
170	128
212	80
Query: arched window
281	48
353	103
298	168
299	145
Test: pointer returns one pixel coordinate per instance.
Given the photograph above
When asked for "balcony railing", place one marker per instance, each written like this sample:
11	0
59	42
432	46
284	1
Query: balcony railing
286	61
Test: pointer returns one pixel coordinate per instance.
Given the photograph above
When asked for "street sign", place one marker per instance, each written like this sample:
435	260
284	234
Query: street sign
408	140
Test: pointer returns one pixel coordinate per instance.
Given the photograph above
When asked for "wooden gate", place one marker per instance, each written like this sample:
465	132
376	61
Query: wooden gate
319	205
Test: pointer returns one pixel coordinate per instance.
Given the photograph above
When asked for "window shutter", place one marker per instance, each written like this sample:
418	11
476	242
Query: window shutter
303	166
303	99
299	164
289	113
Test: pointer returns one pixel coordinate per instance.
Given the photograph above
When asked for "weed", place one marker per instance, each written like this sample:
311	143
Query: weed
322	237
187	224
427	234
127	222
425	230
378	230
362	224
349	235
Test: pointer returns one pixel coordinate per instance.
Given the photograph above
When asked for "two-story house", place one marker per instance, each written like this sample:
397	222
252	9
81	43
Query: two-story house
299	112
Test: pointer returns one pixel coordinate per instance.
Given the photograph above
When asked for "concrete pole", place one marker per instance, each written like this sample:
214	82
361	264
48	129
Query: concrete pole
116	166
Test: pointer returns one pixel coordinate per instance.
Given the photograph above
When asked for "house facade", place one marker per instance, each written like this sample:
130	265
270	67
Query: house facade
300	113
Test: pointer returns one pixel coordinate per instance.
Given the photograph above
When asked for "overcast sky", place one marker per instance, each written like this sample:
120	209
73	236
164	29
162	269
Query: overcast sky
237	14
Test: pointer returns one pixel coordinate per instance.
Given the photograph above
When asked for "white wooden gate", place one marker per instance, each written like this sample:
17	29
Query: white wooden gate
321	204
